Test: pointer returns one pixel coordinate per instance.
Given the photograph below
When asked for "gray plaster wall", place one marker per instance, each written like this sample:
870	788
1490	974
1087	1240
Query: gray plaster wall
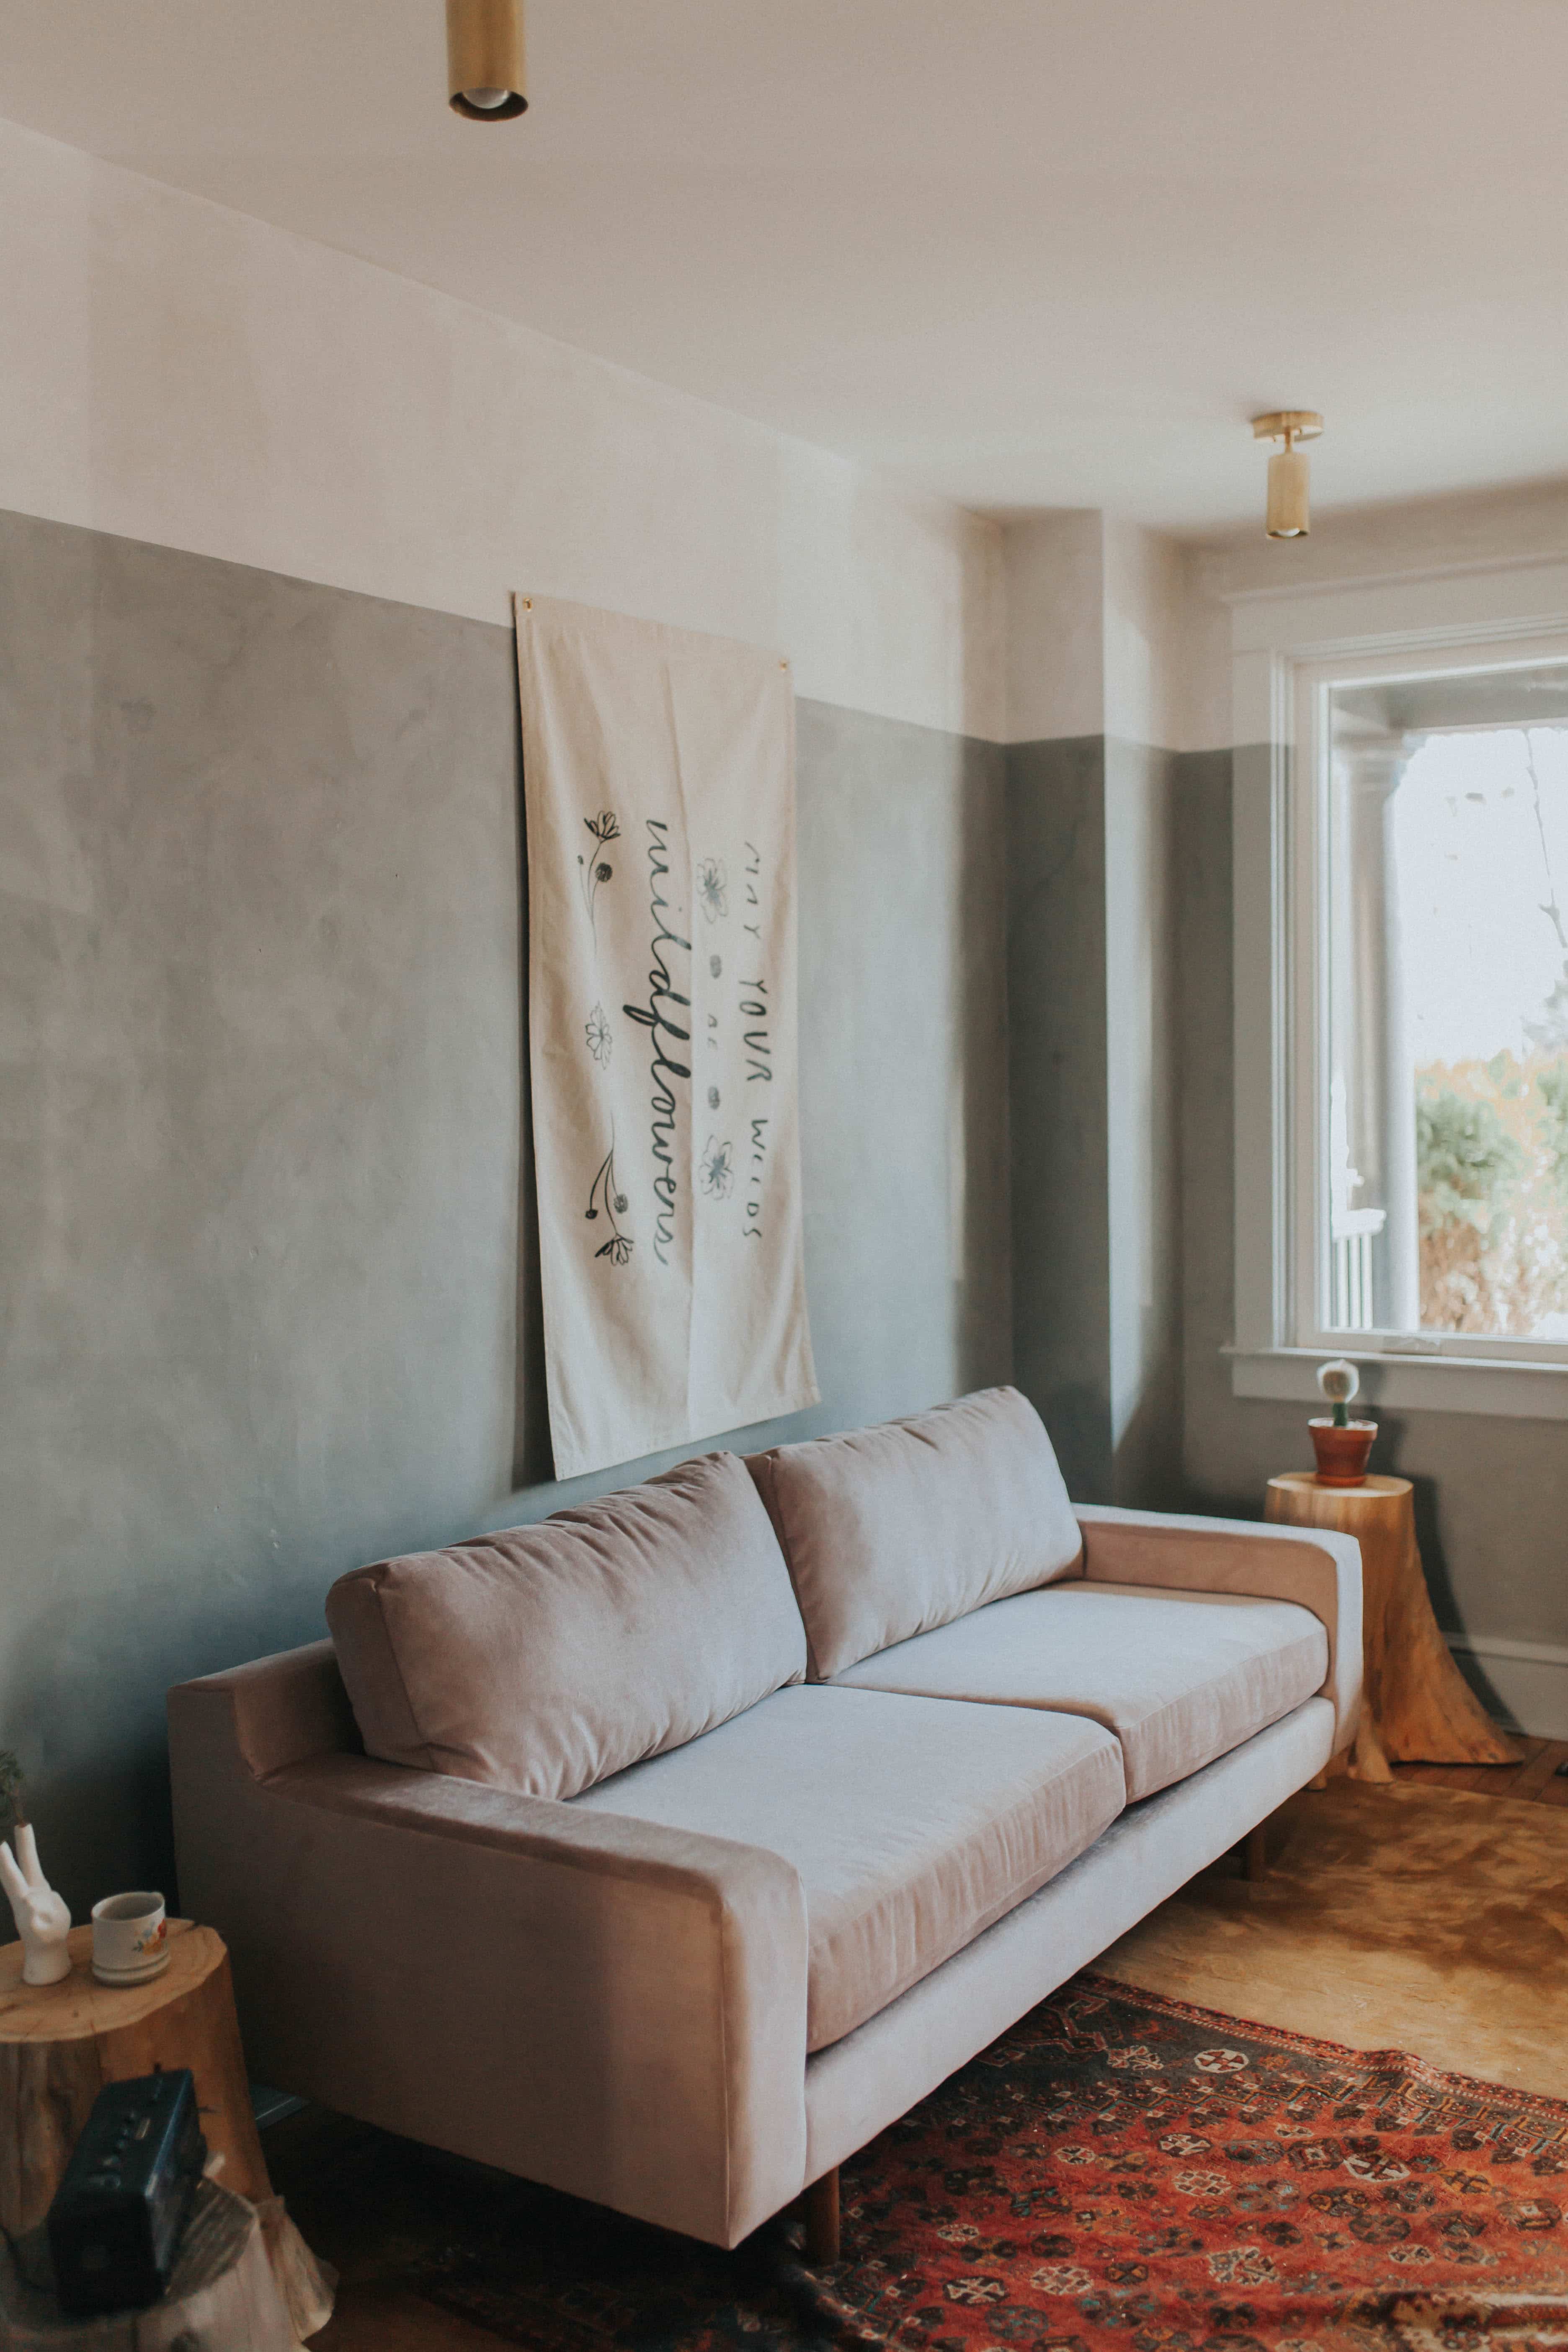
1491	1492
1058	1071
1142	1089
268	1283
1094	1062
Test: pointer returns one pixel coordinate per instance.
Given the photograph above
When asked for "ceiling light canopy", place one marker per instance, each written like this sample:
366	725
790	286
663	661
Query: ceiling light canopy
1288	512
484	59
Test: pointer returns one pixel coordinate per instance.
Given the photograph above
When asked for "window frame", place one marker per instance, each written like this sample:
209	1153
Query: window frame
1288	651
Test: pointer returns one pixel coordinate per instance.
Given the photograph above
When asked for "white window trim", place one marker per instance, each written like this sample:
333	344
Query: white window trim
1283	647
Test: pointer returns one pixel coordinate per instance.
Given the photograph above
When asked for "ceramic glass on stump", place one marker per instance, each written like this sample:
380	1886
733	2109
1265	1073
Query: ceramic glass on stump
1341	1444
130	1938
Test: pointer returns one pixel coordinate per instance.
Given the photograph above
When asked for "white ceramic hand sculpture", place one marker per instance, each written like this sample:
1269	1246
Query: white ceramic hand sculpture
42	1920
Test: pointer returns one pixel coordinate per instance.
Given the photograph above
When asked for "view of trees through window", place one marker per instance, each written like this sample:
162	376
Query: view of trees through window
1448	983
1491	1156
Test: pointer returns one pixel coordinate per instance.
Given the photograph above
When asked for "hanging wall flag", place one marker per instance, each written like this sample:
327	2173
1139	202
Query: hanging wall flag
659	781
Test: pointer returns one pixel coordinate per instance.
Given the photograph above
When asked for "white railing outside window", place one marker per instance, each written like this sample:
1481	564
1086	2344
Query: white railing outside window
1354	1301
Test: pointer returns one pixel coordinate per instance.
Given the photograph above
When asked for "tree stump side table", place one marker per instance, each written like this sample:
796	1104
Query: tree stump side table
1417	1707
60	2044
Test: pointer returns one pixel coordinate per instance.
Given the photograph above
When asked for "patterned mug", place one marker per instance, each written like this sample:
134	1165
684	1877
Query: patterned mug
130	1938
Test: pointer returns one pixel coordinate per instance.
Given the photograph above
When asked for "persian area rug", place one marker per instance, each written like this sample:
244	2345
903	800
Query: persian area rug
1122	2171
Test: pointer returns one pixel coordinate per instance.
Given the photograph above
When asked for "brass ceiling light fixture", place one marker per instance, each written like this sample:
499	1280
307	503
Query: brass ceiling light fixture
484	59
1288	515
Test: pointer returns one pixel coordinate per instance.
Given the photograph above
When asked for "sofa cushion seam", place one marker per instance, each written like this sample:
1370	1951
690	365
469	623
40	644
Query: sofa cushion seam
430	1764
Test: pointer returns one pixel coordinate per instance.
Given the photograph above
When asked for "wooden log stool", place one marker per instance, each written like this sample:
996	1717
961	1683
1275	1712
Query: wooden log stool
223	2296
60	2044
1417	1707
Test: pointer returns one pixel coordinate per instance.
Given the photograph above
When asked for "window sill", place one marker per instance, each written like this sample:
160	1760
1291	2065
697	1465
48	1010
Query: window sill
1400	1383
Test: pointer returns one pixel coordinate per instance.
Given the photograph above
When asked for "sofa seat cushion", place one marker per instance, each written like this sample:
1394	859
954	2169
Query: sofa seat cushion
1179	1677
913	1823
889	1531
544	1658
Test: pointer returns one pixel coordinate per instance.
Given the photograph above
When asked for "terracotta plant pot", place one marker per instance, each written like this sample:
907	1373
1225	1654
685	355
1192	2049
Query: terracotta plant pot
1341	1453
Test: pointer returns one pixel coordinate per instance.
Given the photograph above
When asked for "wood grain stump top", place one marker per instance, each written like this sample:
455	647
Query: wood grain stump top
78	2008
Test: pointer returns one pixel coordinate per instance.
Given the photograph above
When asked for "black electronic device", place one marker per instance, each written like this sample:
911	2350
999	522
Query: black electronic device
120	2211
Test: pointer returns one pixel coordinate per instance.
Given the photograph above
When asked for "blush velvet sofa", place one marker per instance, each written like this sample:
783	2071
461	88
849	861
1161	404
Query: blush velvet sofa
668	1851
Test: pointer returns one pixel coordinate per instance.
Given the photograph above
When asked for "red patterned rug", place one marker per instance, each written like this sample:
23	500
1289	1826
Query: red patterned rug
1120	2173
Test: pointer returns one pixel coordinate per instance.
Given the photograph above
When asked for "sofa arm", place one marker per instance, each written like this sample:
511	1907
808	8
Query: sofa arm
1312	1565
606	2005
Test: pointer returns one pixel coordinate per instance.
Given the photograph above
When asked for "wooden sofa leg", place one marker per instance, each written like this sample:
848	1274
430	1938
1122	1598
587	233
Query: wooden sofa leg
1258	1854
821	2231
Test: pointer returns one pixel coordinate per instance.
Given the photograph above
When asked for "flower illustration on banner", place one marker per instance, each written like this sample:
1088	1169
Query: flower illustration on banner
712	1097
595	868
716	966
719	1169
712	887
601	1039
606	1197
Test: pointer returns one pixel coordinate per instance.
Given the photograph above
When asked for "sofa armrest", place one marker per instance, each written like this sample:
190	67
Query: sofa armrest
1313	1566
606	2005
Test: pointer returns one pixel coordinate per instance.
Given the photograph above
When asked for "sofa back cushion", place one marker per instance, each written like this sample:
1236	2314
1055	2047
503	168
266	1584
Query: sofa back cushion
545	1659
892	1530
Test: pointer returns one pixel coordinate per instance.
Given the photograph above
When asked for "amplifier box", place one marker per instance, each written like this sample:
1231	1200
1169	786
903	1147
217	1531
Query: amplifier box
119	2213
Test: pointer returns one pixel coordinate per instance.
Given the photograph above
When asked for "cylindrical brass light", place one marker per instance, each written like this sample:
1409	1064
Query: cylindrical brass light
1288	514
1290	484
484	59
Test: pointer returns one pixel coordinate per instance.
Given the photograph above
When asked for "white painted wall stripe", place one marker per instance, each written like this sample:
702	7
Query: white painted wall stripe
181	374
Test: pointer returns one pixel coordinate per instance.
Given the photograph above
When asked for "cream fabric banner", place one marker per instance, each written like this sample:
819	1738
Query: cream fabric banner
658	779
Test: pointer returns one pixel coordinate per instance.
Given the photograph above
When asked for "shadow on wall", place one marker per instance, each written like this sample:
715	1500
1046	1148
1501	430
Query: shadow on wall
1057	1048
1094	1060
532	1463
84	1693
1146	1463
1426	1499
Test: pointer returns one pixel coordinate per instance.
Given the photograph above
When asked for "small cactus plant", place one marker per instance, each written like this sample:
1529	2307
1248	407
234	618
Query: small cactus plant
1338	1381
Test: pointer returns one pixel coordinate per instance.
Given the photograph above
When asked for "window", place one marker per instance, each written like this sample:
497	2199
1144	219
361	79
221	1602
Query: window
1441	1125
1400	815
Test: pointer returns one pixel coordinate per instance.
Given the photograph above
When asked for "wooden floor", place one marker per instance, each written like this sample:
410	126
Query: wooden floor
1542	1778
1393	1916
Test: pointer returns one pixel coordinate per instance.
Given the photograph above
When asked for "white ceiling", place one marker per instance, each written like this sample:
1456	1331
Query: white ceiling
1026	253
